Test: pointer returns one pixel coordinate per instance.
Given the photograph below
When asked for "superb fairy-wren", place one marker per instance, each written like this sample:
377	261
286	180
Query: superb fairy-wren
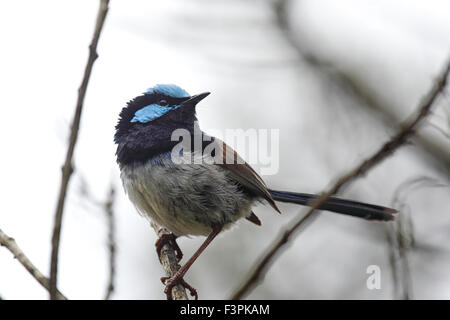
191	191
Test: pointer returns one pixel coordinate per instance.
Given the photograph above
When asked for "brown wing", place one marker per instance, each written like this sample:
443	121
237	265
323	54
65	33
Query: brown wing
243	173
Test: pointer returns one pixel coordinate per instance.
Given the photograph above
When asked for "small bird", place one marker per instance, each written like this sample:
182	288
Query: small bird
196	197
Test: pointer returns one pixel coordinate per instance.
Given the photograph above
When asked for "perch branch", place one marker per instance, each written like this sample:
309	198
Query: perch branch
170	264
67	168
10	244
405	132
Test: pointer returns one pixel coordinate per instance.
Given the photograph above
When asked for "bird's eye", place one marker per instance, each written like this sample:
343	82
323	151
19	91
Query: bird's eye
163	103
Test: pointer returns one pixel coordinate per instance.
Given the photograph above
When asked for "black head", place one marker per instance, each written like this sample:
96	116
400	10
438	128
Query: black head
146	124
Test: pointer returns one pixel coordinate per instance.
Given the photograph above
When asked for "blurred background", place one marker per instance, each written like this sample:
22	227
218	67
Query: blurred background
336	78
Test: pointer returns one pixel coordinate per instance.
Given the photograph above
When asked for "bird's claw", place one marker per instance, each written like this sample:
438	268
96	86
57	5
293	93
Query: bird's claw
174	281
168	238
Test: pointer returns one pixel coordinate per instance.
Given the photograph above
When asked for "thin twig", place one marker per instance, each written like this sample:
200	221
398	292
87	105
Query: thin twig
10	244
440	130
109	210
170	264
406	131
67	169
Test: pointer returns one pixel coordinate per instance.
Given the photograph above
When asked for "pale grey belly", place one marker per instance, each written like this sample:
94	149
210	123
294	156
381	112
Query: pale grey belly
187	199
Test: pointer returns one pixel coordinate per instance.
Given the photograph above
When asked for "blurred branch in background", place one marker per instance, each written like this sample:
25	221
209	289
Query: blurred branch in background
107	206
109	210
401	235
10	244
406	131
67	168
357	88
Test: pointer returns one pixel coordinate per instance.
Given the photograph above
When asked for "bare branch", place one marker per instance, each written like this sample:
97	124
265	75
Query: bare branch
406	131
170	264
67	168
10	244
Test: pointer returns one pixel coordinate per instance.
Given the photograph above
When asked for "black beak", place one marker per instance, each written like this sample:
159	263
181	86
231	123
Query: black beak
192	101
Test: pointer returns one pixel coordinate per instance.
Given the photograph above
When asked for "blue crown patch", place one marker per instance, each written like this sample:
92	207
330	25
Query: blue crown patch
170	90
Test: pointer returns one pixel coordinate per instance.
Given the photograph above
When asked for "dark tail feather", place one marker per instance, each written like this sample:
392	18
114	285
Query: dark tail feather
348	207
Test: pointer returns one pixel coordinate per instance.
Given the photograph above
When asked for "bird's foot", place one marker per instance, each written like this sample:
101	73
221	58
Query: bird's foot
174	281
168	238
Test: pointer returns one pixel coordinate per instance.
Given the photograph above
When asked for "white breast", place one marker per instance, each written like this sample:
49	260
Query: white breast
187	199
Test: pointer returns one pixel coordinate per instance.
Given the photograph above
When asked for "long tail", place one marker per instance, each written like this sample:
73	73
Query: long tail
348	207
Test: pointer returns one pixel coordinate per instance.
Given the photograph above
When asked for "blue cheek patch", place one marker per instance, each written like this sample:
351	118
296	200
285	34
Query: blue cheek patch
151	112
170	90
